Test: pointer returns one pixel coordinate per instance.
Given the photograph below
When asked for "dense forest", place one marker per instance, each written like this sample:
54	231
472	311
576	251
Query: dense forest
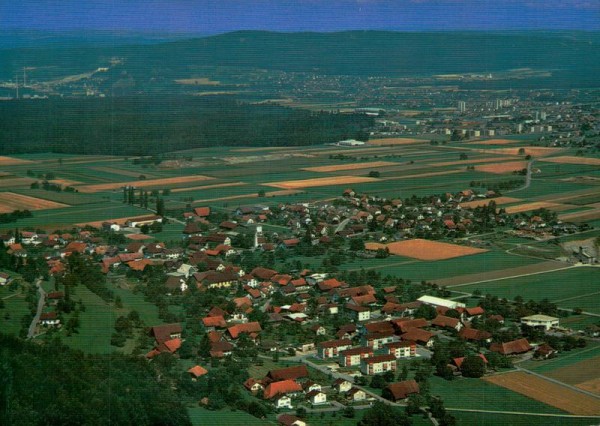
146	125
54	385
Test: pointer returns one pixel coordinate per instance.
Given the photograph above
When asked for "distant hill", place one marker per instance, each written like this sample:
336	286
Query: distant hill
573	57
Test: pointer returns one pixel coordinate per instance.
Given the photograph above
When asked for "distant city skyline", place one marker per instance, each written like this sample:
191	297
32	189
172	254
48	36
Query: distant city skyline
211	17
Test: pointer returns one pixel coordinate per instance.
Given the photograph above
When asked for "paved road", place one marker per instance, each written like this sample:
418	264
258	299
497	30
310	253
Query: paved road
40	308
527	179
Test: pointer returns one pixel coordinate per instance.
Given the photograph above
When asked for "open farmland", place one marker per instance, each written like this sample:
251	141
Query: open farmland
351	166
146	183
325	181
573	160
12	161
496	142
425	249
395	141
484	202
534	151
579	374
509	167
527	207
547	392
9	202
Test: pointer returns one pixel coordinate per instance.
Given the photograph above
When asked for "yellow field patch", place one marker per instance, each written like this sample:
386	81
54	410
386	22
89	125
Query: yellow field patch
574	160
351	166
480	203
534	151
499	168
9	202
11	161
591	386
325	181
547	392
173	181
426	249
527	207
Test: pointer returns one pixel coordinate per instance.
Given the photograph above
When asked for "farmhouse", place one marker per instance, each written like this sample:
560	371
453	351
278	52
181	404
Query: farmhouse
284	387
540	321
378	364
514	347
421	337
400	390
296	372
447	322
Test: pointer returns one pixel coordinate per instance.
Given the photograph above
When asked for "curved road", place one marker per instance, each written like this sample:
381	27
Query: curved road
40	308
527	179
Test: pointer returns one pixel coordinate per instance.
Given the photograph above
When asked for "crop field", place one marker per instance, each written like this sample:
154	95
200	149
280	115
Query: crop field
509	167
579	374
527	207
581	216
472	161
147	183
12	161
396	141
426	249
10	182
118	171
10	201
500	419
496	142
216	185
351	166
534	151
325	181
566	159
547	392
555	285
484	202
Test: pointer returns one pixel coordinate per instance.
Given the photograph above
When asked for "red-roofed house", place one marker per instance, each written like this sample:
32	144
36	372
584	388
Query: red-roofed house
249	328
400	390
378	364
283	387
514	347
403	349
197	371
351	357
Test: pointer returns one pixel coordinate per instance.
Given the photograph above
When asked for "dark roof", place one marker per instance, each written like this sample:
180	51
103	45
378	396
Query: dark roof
509	348
288	373
401	390
162	333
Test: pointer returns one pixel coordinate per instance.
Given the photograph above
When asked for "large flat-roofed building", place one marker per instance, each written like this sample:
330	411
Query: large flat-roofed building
539	320
437	301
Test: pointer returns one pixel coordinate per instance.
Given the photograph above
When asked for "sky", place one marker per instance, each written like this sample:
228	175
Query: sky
218	16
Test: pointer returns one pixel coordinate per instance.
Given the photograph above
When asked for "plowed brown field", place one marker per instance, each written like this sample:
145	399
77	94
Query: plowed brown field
480	203
547	392
11	161
426	249
10	202
511	166
574	160
173	181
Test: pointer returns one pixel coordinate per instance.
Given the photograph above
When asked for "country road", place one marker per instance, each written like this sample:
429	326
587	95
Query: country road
40	308
558	382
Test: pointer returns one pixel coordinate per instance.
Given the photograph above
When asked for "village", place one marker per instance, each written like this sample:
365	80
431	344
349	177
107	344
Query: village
351	338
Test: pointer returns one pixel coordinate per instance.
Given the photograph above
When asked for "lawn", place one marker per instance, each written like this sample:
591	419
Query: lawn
495	419
203	417
476	393
15	307
555	286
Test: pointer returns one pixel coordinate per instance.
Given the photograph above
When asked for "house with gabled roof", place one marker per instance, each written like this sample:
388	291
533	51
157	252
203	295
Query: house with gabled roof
283	387
353	356
514	347
402	349
447	322
378	364
400	390
294	373
250	328
475	335
421	337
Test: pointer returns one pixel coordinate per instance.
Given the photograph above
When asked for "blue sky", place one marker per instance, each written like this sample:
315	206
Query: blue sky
216	16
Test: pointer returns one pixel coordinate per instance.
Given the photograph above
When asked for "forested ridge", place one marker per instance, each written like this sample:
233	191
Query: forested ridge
51	384
145	125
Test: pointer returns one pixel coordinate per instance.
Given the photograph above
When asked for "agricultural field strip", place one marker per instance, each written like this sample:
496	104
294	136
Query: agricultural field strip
504	274
426	249
217	185
10	201
243	196
573	160
551	393
581	216
573	195
122	172
326	181
350	166
182	180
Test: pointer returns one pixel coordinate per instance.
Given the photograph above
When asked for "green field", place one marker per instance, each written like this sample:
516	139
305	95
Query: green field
15	307
564	359
495	419
555	286
470	393
203	417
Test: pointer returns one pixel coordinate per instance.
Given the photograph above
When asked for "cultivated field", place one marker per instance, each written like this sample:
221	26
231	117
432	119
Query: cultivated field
9	202
471	161
509	167
534	151
395	141
325	181
350	166
574	160
425	249
15	183
484	202
581	216
117	171
119	221
496	142
146	183
584	374
216	185
11	161
547	392
527	207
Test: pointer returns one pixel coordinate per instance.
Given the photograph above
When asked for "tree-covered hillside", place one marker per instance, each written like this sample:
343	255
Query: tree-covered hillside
54	385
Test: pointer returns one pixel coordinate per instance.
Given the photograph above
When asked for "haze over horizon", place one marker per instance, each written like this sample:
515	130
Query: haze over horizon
208	17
